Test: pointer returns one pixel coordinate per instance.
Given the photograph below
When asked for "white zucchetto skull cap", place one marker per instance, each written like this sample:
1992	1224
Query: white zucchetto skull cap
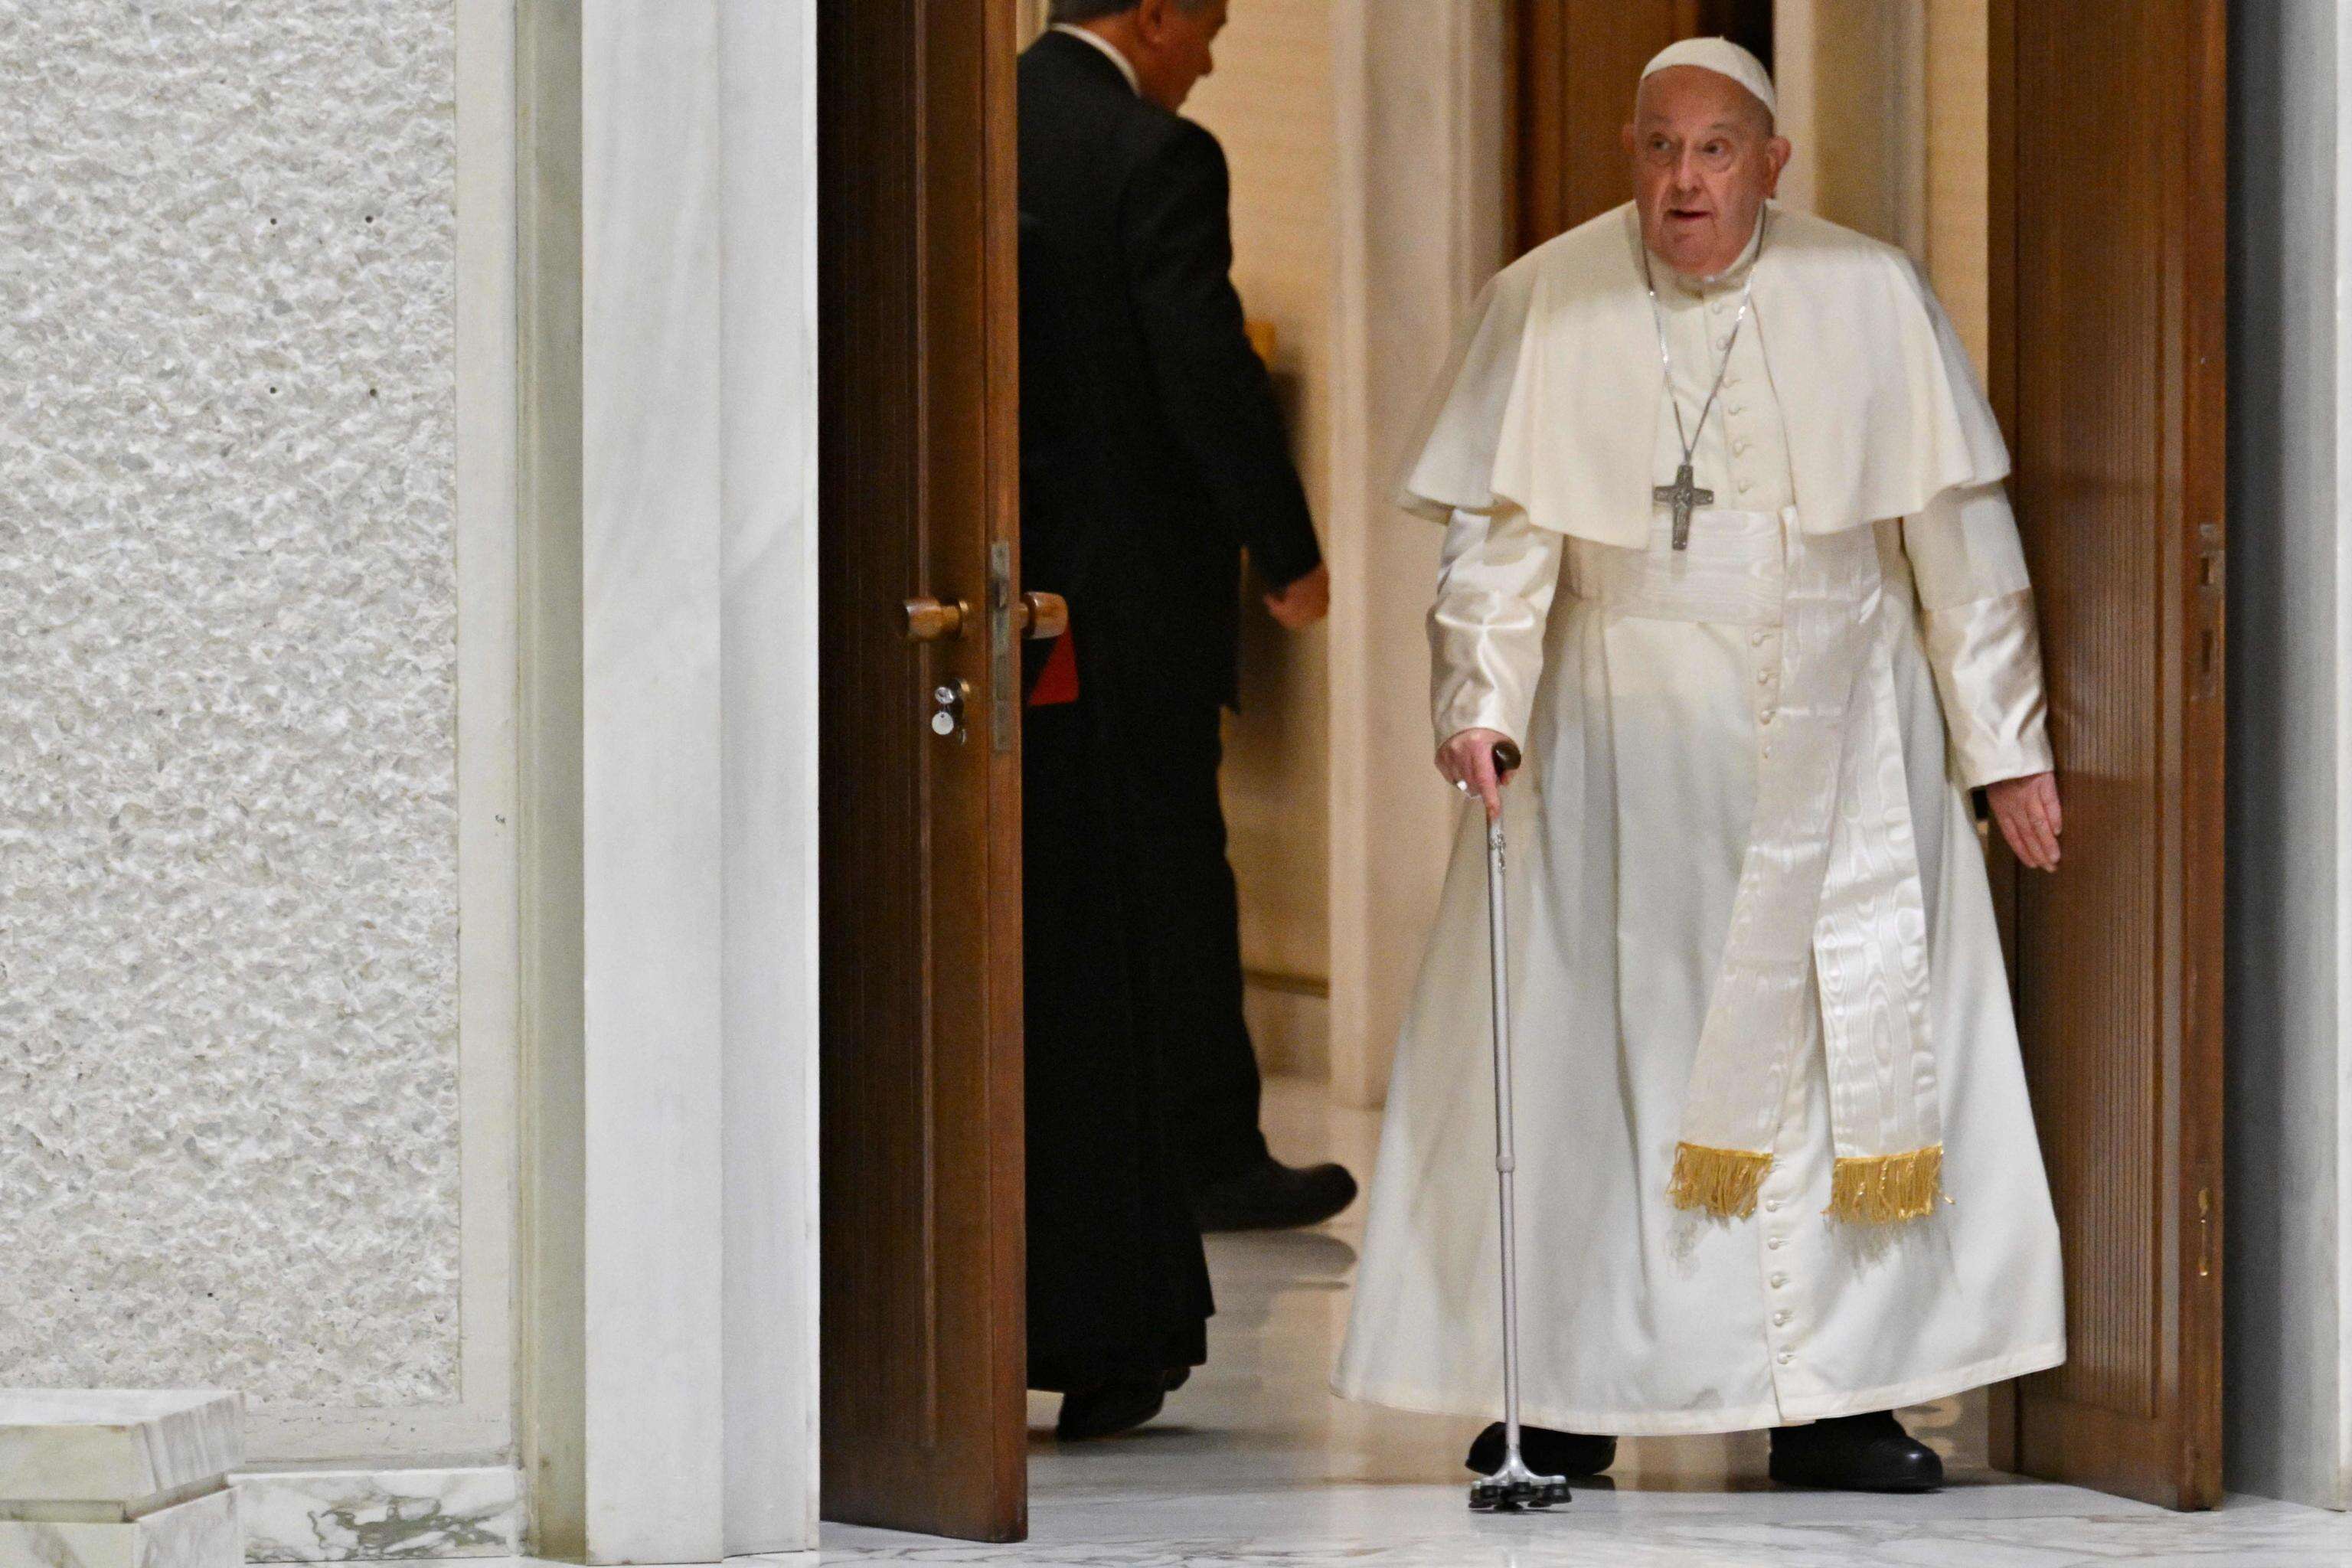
1723	58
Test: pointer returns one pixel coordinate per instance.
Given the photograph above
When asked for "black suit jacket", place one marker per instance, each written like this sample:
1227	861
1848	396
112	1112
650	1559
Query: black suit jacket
1151	449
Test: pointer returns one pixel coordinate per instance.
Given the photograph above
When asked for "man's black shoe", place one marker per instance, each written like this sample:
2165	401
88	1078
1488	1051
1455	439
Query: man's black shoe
1855	1454
1567	1455
1271	1195
1107	1409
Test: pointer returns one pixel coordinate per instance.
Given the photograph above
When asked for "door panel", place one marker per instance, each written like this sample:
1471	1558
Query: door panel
2107	332
923	1400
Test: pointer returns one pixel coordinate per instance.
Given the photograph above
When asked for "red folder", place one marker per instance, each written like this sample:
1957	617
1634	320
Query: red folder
1058	680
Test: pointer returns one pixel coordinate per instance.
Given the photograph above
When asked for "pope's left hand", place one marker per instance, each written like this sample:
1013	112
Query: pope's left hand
2026	810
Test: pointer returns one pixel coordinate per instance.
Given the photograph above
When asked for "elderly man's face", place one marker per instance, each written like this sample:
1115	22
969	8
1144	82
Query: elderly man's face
1704	159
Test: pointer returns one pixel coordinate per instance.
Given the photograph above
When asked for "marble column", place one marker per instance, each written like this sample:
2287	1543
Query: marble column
1851	76
768	670
671	1400
2287	1312
652	849
1421	94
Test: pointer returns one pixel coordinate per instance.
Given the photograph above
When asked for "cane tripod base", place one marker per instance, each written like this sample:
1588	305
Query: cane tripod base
1515	1486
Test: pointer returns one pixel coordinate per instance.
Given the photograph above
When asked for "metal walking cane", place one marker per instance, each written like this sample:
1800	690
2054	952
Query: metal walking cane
1513	1486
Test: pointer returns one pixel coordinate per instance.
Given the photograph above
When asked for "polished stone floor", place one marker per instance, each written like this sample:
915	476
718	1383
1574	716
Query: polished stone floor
1255	1462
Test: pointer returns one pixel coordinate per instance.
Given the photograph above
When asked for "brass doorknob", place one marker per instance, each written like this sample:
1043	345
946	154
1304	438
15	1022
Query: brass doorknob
927	620
1043	614
1038	616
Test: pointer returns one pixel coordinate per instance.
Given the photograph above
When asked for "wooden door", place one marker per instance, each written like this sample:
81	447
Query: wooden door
923	1364
1578	61
2108	352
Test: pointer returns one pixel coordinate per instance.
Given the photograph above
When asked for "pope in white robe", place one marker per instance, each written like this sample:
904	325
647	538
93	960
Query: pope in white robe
1776	1164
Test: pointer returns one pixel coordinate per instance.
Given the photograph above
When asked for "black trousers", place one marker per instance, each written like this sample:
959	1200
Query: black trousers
1192	982
1118	1286
1141	1082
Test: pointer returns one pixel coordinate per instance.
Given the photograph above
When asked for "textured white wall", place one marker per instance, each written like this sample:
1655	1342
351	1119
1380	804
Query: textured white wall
228	877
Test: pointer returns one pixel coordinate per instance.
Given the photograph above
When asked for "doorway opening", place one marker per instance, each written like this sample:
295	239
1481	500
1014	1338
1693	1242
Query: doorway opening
1386	159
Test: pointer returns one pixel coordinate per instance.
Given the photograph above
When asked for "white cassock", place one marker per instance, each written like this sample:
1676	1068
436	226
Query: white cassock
1753	940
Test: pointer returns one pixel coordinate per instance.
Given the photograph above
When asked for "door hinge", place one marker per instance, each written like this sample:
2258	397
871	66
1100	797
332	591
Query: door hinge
2213	572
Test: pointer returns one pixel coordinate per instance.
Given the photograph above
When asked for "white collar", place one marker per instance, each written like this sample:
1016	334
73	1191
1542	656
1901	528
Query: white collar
1126	67
1692	285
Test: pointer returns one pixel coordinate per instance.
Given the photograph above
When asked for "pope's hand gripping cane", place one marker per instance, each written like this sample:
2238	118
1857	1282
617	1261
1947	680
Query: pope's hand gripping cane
1514	1486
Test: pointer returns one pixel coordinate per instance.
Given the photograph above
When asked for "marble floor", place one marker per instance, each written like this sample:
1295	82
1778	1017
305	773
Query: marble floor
1255	1462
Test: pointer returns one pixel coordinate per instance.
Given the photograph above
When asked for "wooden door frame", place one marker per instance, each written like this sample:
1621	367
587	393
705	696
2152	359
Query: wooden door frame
2191	1246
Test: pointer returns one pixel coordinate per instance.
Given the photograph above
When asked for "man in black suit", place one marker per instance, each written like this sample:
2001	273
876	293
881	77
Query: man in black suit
1153	455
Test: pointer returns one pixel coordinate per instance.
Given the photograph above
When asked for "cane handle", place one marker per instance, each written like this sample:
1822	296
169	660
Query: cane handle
1507	757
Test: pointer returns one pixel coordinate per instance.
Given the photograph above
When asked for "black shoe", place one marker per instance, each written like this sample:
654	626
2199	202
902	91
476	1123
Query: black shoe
1271	1195
1108	1408
1547	1453
1855	1454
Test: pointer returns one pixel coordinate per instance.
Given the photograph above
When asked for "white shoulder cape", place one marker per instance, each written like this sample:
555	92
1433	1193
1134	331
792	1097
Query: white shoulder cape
1552	403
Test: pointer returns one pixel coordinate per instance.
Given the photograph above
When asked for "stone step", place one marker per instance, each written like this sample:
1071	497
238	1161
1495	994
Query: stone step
120	1477
115	1446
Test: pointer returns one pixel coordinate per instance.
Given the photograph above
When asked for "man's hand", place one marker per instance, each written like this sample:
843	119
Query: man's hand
1304	600
1469	757
2026	810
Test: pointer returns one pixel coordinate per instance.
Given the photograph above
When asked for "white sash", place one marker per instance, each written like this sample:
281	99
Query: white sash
1829	903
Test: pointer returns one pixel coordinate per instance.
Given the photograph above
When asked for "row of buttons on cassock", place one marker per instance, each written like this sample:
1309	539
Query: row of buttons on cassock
1733	409
1767	679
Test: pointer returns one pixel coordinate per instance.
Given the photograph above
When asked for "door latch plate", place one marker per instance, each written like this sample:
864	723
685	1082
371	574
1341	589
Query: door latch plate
1003	662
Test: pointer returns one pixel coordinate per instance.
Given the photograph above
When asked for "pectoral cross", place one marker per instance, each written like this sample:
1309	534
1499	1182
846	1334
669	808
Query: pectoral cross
1682	495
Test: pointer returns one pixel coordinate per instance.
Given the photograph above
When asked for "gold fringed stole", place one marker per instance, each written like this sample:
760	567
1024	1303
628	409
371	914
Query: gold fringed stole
1879	1190
1723	1182
1886	1188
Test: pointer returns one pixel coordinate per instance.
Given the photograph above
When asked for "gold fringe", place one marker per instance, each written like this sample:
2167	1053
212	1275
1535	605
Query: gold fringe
1886	1188
1723	1182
